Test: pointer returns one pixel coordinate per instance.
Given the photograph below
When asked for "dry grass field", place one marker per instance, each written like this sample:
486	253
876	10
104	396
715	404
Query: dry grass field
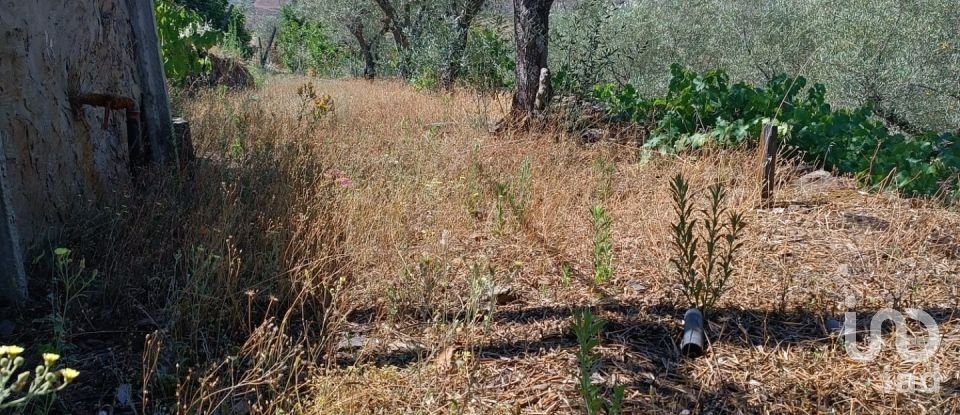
384	253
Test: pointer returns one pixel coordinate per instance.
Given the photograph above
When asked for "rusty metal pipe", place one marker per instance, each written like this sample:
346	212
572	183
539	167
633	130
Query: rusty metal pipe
114	102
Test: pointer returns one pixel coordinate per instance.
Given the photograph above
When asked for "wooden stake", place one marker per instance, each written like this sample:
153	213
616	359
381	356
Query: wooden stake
768	150
183	141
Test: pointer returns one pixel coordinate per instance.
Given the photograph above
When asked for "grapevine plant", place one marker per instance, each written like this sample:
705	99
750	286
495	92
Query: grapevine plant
705	109
184	40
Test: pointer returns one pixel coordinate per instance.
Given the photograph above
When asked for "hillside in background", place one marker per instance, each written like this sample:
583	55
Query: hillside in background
267	6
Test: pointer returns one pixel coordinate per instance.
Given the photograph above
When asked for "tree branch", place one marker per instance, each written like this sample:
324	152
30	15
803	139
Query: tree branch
393	24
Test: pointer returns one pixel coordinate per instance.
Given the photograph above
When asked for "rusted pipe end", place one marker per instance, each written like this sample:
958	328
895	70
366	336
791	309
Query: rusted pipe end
108	102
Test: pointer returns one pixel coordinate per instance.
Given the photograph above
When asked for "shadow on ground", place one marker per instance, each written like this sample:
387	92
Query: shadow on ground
643	342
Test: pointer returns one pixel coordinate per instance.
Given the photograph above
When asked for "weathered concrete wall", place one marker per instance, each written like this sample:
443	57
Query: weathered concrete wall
11	251
58	159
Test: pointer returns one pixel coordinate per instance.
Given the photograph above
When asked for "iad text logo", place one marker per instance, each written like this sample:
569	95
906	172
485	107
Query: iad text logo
910	349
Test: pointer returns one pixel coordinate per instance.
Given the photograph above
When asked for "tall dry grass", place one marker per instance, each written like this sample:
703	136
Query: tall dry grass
363	261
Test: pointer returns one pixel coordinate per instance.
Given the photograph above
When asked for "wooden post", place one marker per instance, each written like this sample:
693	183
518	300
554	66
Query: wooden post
265	52
154	102
184	141
768	150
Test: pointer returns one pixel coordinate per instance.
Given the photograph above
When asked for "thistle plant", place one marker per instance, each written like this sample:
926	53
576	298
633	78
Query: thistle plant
499	213
46	379
603	168
587	329
482	301
704	262
514	193
421	286
602	245
566	274
474	183
520	193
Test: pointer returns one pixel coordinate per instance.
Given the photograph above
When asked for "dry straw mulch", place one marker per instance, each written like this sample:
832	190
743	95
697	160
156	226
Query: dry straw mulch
414	160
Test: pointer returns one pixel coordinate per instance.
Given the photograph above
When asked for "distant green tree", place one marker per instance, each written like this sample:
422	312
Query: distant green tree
357	29
460	15
305	44
489	60
903	58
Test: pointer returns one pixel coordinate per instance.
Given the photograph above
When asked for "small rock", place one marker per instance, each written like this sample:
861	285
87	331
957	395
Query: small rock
240	407
815	176
844	270
352	342
7	328
401	346
125	396
637	287
591	135
502	295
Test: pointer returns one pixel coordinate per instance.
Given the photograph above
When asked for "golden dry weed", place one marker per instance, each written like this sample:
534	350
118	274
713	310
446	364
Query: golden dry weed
386	236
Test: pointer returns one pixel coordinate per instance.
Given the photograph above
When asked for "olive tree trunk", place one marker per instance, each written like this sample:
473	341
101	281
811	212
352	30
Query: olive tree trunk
453	63
398	26
531	27
367	47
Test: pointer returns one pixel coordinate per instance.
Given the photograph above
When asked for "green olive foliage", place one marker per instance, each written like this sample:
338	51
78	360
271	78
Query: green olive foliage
903	58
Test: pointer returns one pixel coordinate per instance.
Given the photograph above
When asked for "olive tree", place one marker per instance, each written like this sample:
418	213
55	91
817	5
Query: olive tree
460	15
358	27
901	57
412	23
407	21
531	29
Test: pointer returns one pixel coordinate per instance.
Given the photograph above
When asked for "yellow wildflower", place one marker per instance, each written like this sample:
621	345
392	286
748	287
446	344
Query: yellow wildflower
50	358
12	351
69	374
